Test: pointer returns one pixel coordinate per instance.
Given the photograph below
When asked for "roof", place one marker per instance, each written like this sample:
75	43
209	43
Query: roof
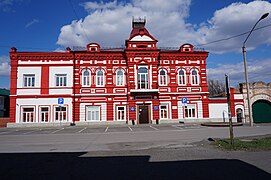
4	92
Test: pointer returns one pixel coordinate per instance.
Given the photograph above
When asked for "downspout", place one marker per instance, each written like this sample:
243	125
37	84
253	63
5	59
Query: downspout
73	118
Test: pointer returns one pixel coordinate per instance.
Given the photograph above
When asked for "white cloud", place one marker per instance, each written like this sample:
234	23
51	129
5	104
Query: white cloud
233	20
4	66
109	24
257	70
6	5
31	23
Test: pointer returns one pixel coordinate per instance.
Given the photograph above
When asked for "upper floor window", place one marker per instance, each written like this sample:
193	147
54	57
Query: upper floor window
194	77
86	78
181	77
162	77
143	80
61	80
29	80
99	78
120	78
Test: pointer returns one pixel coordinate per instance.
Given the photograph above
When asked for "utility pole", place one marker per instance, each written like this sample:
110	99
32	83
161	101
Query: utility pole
229	109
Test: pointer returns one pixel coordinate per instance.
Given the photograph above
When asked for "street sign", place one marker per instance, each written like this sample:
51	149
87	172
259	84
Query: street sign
155	108
60	101
184	100
132	108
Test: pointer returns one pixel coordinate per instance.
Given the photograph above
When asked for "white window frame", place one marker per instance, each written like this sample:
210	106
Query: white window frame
43	114
59	115
95	112
145	76
163	111
119	78
60	80
182	77
188	111
29	115
121	113
86	79
29	80
100	80
162	78
194	77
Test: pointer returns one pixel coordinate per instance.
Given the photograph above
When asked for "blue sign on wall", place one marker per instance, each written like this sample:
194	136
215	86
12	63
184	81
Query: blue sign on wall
132	108
60	101
155	108
184	100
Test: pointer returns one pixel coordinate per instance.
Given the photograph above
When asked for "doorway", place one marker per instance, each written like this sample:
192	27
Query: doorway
239	113
143	114
261	111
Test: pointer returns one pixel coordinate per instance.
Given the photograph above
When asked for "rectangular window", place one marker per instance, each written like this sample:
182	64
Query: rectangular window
44	114
143	78
29	80
120	80
164	111
120	113
61	80
190	111
93	113
60	113
28	114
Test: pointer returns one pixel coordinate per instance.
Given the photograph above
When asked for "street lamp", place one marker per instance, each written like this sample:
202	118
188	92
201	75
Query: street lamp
245	66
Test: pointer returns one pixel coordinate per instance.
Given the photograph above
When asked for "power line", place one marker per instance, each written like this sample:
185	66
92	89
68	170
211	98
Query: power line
212	42
235	36
74	11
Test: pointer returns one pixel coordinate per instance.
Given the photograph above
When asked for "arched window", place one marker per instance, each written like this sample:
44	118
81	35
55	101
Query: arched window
119	78
99	78
86	78
162	78
181	77
194	77
143	78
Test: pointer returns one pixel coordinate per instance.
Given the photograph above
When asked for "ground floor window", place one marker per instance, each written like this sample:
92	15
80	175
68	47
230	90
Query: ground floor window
28	114
190	111
93	113
61	113
44	114
164	111
121	113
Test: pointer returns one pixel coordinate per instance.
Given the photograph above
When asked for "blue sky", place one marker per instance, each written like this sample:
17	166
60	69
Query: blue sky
32	25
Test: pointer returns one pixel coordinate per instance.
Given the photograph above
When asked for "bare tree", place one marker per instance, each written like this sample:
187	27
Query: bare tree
216	88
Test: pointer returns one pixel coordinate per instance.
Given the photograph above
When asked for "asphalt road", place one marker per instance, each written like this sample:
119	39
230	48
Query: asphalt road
129	152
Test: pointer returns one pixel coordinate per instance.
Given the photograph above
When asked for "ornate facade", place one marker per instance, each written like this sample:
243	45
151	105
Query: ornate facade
136	84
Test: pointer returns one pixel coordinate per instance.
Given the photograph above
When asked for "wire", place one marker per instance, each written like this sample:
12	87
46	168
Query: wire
74	11
212	42
235	36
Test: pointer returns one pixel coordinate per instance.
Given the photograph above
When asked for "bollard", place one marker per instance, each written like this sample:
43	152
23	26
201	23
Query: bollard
157	121
133	122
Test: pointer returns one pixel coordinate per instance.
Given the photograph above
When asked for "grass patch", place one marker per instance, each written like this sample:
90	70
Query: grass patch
260	143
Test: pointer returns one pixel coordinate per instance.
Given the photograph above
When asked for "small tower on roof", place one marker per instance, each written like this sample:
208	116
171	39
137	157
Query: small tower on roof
140	38
139	22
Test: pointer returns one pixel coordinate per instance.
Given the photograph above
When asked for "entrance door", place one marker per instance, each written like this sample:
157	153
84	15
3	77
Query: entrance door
143	113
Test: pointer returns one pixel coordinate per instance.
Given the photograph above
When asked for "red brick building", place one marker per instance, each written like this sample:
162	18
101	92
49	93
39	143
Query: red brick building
136	84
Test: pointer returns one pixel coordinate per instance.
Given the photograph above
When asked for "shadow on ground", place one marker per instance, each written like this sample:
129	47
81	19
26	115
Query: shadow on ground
74	166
